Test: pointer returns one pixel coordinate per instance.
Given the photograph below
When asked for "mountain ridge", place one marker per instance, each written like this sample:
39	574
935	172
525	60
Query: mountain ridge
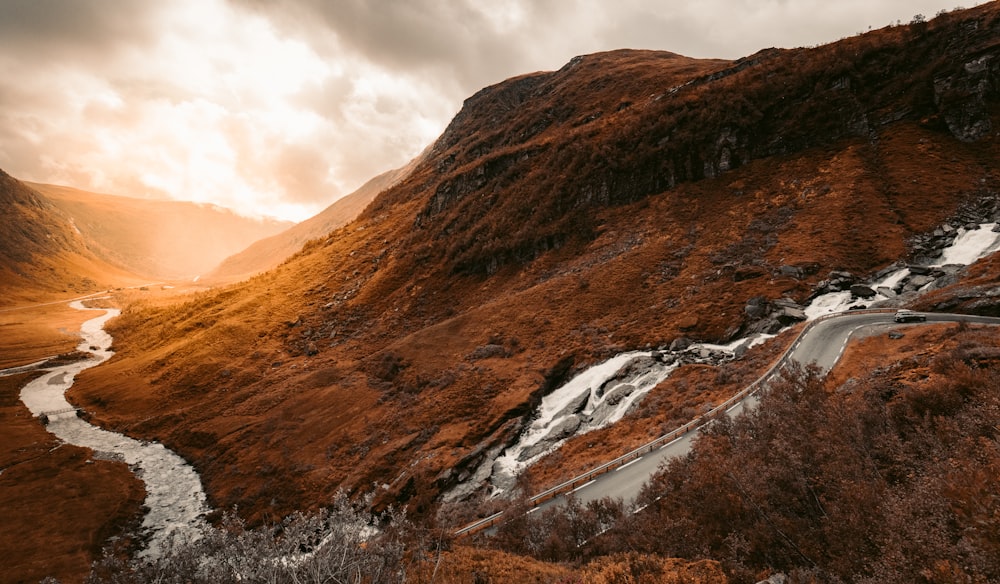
156	238
561	218
267	253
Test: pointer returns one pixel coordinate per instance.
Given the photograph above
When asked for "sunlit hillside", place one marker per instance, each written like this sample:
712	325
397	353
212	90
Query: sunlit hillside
42	253
367	362
624	201
269	252
158	239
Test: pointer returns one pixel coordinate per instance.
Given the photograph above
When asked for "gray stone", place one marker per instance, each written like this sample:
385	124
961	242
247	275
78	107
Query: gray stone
787	303
886	291
862	291
680	343
918	282
577	404
789	315
620	392
791	271
755	310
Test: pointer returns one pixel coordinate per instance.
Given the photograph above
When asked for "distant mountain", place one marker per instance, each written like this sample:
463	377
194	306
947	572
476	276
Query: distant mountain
42	253
154	238
267	253
630	199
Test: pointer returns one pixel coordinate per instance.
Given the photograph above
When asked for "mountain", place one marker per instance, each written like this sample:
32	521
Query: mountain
630	199
267	253
157	239
42	253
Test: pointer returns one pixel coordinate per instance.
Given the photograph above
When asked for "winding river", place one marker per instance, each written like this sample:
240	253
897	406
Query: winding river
175	501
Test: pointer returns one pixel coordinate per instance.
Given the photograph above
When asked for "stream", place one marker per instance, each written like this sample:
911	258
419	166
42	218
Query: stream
175	502
604	393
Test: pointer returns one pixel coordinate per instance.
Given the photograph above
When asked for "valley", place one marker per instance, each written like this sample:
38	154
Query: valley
587	265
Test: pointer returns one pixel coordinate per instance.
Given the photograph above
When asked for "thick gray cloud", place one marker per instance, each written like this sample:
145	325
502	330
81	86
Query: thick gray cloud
280	107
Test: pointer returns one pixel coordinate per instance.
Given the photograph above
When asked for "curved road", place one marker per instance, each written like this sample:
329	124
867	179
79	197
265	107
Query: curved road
820	344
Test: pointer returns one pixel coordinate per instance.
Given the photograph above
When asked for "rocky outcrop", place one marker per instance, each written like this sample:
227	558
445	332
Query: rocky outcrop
962	97
769	317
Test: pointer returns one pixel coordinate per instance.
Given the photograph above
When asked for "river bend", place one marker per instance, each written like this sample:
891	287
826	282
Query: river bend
175	501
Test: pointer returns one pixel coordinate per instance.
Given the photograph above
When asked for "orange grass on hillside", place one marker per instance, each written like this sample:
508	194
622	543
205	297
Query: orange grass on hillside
60	505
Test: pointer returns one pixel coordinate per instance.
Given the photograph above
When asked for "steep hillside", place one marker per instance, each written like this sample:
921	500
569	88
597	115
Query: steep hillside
624	201
41	252
159	239
269	252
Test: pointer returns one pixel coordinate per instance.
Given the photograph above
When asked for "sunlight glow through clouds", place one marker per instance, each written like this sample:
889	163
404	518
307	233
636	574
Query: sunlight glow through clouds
279	108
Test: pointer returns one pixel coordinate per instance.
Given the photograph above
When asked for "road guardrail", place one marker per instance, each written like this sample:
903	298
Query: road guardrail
696	423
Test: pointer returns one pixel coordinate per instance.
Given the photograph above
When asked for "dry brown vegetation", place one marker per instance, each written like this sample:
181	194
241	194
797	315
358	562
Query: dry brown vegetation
877	474
156	238
624	201
35	333
42	257
552	234
267	253
59	505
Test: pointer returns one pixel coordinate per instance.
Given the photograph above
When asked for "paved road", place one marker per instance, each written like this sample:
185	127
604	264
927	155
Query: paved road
821	344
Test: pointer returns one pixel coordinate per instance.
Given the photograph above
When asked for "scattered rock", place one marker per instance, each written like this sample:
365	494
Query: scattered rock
489	351
620	392
576	405
688	322
788	315
756	307
896	335
680	343
791	271
748	273
918	282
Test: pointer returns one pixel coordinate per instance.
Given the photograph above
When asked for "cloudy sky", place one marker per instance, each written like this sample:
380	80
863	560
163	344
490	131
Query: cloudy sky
280	107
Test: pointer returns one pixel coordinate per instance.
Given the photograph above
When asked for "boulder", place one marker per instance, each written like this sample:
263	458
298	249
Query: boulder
787	303
680	343
862	291
756	307
620	392
791	271
895	266
886	291
788	315
577	404
917	282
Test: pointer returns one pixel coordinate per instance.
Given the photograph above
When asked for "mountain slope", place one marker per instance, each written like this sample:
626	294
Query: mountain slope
627	200
267	253
159	239
41	252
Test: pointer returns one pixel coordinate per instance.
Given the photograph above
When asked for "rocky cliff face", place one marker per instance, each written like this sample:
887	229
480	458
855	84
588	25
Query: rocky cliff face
610	136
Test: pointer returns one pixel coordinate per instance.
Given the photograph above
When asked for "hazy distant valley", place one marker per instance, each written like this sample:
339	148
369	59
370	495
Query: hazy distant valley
411	346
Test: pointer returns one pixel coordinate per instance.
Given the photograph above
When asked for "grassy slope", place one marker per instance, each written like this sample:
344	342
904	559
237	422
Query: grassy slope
267	253
543	221
160	239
